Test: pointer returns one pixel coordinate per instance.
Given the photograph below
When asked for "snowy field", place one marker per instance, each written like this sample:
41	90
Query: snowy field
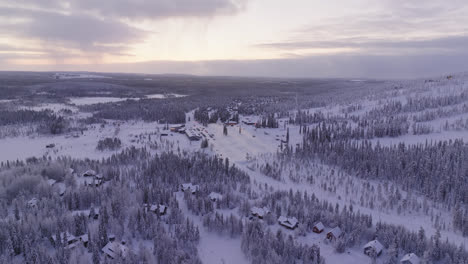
250	149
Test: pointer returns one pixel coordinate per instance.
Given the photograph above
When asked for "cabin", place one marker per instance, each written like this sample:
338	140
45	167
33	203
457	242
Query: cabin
231	123
215	196
259	212
177	128
318	228
410	258
334	233
32	203
92	181
157	209
162	209
62	189
193	135
51	182
114	249
249	122
372	248
71	240
189	187
84	239
89	173
94	213
288	222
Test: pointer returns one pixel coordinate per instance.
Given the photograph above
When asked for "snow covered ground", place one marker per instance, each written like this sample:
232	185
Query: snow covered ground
242	144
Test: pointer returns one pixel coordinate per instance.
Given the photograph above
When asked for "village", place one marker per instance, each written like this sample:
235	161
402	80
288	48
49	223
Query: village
260	178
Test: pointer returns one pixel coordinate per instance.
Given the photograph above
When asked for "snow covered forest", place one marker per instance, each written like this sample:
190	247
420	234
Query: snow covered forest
182	169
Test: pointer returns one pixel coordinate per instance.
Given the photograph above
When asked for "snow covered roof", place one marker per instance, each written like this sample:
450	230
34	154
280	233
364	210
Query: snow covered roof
113	249
96	213
193	134
51	182
33	202
319	226
260	212
91	181
162	209
84	238
215	196
156	208
374	244
290	222
89	173
410	258
336	232
153	208
69	237
61	189
189	186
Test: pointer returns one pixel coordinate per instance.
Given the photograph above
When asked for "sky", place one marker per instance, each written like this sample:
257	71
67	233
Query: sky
277	38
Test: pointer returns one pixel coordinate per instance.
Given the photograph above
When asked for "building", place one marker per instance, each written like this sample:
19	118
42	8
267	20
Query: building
71	240
157	209
189	187
288	222
259	212
84	239
193	135
215	196
89	173
410	258
334	233
51	182
92	181
231	123
373	247
249	122
318	228
162	209
61	189
94	213
177	128
114	249
32	203
52	145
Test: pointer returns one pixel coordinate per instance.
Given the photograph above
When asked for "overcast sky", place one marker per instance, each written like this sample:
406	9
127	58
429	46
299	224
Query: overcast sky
294	38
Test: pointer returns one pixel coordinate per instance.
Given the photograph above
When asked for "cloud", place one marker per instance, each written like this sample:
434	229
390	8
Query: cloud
144	9
151	9
387	27
97	27
441	44
76	31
